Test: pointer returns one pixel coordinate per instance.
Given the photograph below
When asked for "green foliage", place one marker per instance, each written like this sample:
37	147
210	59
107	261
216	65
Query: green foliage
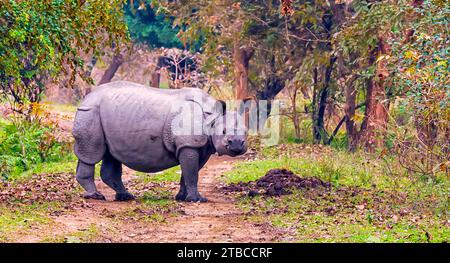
147	26
279	41
421	68
42	39
24	144
418	65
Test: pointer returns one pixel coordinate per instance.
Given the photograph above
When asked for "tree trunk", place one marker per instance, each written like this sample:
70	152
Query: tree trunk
112	69
314	100
154	81
295	115
376	103
78	92
241	56
90	67
350	108
319	132
322	89
272	86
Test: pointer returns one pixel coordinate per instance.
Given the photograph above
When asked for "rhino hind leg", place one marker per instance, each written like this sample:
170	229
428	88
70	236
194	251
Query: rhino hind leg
111	174
88	132
85	177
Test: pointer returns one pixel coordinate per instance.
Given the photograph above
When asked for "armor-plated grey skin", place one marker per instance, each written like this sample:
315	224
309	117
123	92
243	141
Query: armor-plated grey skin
132	124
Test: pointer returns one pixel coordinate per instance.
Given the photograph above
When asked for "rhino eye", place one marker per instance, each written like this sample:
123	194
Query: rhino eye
224	132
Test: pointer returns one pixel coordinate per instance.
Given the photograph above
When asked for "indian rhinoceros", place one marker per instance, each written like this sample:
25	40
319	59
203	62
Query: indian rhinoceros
149	130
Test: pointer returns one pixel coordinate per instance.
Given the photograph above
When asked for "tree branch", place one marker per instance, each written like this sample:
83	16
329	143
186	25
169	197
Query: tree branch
340	125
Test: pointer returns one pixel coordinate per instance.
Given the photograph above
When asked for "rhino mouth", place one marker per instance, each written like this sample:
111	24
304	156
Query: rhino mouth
236	152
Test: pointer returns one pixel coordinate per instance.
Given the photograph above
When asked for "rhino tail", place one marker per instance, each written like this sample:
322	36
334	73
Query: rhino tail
88	133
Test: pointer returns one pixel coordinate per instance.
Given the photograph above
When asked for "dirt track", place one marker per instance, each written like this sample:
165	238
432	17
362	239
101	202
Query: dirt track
218	220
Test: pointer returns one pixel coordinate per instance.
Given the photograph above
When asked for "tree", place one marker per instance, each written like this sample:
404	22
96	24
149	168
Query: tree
362	44
230	46
421	75
148	26
349	51
43	40
116	61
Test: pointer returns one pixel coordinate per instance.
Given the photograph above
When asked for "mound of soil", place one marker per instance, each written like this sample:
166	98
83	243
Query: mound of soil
277	182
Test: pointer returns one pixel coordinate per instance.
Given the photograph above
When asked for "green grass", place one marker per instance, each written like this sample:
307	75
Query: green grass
65	166
382	200
338	168
164	85
336	171
21	218
169	175
68	166
157	197
88	235
312	224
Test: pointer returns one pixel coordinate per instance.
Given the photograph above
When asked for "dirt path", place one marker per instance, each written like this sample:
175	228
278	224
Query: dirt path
218	220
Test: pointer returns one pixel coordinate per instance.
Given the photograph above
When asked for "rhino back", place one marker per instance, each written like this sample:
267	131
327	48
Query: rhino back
133	120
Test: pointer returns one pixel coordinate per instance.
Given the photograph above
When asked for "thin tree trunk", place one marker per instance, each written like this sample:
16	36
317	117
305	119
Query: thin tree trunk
314	100
87	74
154	81
90	67
318	126
319	132
336	130
241	56
295	116
112	69
350	107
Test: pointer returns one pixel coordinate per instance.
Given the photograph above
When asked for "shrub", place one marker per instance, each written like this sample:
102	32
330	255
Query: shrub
24	144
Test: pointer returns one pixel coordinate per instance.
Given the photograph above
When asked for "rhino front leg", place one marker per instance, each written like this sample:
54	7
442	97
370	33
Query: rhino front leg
85	177
189	162
111	174
181	196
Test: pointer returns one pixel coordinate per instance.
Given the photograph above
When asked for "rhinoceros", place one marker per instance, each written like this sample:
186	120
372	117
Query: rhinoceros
150	130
